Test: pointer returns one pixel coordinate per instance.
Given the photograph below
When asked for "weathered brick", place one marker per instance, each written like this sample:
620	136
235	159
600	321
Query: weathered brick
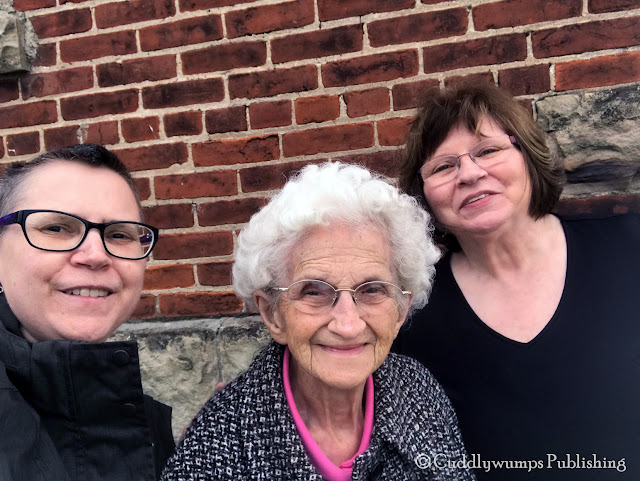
367	102
184	32
372	68
335	9
195	244
270	114
169	276
169	216
146	308
236	151
46	55
138	129
9	89
103	133
57	82
122	13
22	144
229	211
418	28
586	37
214	273
199	304
598	71
64	22
316	44
224	57
512	13
22	5
201	184
96	46
268	18
156	156
143	187
408	95
320	108
183	123
525	80
328	139
95	105
393	131
61	136
457	80
273	82
136	70
25	115
192	5
232	119
481	51
385	162
603	6
183	93
269	177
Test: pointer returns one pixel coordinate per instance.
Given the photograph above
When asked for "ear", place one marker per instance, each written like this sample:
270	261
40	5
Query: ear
271	317
402	314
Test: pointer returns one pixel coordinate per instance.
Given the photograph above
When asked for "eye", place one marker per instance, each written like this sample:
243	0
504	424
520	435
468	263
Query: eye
123	233
486	151
314	289
58	228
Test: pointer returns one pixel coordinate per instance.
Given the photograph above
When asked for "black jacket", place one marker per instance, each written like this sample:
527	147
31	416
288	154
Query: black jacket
75	411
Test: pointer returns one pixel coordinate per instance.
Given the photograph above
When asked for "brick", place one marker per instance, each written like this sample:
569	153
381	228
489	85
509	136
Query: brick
270	114
408	95
2	155
269	177
367	102
513	13
138	129
65	22
601	205
482	51
457	80
418	28
9	89
586	37
525	80
224	57
320	108
384	162
328	139
598	71
169	216
232	119
146	308
133	11
184	32
192	245
604	6
236	151
393	131
156	156
103	133
201	184
143	187
61	136
96	46
214	273
57	82
316	44
169	276
335	9
22	5
234	211
95	105
183	123
22	144
273	82
188	92
372	68
46	55
199	304
193	5
269	18
25	115
136	70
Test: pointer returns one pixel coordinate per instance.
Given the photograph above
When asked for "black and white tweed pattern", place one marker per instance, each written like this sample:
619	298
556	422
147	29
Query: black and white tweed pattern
246	431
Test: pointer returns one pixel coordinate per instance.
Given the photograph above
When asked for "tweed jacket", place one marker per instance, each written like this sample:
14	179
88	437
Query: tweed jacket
246	431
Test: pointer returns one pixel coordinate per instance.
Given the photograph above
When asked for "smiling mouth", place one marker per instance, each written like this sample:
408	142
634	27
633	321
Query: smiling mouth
87	292
475	199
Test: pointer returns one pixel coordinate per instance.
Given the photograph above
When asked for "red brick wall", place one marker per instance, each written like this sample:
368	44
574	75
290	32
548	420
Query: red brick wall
212	103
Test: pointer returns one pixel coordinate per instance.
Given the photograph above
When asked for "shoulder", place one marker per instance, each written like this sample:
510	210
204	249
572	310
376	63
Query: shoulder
601	222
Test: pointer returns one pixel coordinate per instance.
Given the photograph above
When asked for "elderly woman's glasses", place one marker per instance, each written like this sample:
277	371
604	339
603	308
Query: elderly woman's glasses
445	168
314	297
51	230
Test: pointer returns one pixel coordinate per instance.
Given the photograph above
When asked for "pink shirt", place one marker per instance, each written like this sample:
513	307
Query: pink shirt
323	464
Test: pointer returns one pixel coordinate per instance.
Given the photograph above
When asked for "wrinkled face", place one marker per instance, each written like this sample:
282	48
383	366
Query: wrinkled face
339	348
477	200
84	294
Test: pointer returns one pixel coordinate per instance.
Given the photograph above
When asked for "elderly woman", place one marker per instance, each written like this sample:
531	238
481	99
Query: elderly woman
333	263
72	261
532	328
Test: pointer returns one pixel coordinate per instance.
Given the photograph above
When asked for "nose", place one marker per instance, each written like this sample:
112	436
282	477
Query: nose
468	171
346	321
91	252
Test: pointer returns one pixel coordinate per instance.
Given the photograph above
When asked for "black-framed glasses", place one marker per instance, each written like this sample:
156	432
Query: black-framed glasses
55	231
313	296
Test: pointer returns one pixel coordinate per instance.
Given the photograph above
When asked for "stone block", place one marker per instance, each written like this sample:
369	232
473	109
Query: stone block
13	56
